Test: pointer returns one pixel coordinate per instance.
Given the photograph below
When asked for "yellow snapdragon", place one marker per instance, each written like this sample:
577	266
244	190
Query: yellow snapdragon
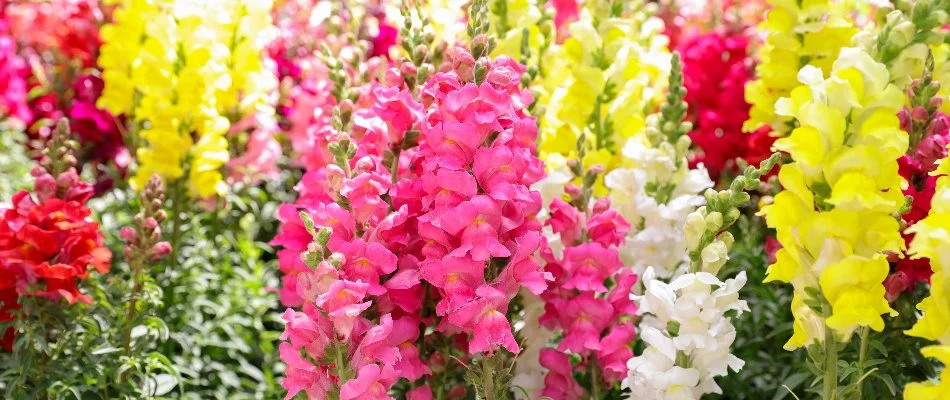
932	240
798	34
182	70
602	83
835	216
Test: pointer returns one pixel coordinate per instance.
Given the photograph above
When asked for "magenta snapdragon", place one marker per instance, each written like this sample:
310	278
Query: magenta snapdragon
477	162
589	315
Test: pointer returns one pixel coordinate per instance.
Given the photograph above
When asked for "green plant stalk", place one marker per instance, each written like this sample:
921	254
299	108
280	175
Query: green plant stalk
488	379
594	382
831	365
862	359
176	221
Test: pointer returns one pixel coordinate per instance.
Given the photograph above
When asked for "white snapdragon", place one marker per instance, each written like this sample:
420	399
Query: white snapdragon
657	238
688	336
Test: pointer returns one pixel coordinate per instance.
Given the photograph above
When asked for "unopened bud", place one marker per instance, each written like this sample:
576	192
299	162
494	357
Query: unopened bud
150	223
336	260
335	177
463	63
572	190
365	164
128	234
904	117
479	45
419	54
407	69
161	249
602	205
935	102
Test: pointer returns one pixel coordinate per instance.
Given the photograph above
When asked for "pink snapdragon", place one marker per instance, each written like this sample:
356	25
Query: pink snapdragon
477	166
588	314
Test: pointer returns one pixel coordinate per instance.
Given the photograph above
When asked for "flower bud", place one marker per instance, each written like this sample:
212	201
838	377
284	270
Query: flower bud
419	54
407	69
336	260
335	178
45	187
463	63
150	223
572	190
695	227
895	284
128	234
365	164
161	249
714	256
602	205
919	114
479	45
935	102
904	117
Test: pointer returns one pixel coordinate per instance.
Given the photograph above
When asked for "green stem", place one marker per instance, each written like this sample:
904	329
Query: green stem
594	382
862	359
831	365
488	379
394	166
176	221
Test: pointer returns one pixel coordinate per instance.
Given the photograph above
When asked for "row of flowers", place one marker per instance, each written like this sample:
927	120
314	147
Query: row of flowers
492	199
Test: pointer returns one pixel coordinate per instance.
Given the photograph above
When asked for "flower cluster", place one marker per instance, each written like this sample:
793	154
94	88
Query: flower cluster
69	28
48	240
798	34
13	86
659	190
929	135
603	81
477	165
931	240
834	217
593	322
716	68
685	326
185	68
685	319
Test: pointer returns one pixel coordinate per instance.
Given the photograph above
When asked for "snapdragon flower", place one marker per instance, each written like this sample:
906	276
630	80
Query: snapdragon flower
180	69
798	34
931	241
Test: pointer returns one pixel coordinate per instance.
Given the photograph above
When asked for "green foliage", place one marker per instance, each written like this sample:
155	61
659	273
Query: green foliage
219	303
14	161
761	332
92	351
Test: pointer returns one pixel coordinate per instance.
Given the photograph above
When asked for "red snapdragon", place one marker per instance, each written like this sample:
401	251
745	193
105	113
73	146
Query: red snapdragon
716	67
48	240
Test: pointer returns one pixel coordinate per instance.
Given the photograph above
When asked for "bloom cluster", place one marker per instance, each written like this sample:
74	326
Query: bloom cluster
67	27
930	241
929	134
592	320
198	65
452	217
835	262
48	240
659	190
13	86
716	68
685	326
803	34
603	81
